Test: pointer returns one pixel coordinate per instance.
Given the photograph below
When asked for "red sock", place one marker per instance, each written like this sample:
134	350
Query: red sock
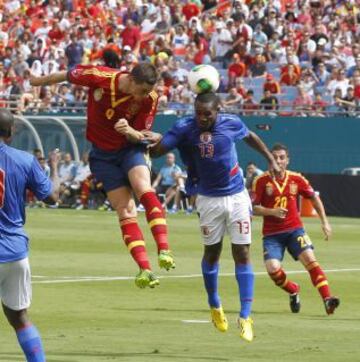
319	279
134	241
155	216
280	279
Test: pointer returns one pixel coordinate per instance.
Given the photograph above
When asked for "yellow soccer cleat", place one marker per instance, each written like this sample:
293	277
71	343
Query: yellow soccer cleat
246	328
218	317
166	260
146	278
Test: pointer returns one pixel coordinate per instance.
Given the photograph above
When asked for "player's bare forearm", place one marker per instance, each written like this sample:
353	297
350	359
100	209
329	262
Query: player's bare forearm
50	79
255	142
134	136
319	207
279	212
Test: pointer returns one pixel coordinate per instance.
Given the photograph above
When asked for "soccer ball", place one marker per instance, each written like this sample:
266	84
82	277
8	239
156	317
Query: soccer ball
203	79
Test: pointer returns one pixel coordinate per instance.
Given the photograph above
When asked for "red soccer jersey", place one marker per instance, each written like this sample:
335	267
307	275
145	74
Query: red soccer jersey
272	193
106	105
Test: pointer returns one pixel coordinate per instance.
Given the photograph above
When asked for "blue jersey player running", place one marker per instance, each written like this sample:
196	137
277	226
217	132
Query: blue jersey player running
18	171
206	143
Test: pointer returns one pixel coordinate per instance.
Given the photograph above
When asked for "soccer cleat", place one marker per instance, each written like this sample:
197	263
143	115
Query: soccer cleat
146	278
331	304
246	328
295	302
166	260
219	319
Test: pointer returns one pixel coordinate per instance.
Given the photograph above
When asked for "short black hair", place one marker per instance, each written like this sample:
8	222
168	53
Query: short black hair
144	73
6	123
111	59
280	147
209	97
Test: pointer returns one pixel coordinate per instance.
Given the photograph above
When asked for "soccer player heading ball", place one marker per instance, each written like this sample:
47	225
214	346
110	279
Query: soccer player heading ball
206	142
120	105
275	198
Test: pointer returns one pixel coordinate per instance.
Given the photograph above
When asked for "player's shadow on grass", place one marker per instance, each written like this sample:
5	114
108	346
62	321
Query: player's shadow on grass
148	355
82	356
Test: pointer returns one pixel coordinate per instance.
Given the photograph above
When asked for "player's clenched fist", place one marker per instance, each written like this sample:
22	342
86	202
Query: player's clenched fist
122	126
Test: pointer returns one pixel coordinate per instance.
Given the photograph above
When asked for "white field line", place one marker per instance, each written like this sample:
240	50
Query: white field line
97	279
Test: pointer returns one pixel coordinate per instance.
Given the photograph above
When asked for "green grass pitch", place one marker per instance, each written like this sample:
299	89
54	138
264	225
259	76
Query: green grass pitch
85	312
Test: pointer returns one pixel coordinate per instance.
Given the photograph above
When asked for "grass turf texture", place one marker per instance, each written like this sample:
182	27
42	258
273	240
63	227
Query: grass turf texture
112	320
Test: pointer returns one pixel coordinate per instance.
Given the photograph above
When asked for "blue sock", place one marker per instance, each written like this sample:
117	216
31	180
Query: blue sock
30	341
245	278
210	274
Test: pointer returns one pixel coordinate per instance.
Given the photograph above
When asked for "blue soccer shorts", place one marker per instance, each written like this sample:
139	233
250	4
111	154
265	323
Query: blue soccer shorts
295	241
111	167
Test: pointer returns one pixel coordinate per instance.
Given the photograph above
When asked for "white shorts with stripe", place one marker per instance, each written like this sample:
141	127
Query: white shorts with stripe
226	214
15	284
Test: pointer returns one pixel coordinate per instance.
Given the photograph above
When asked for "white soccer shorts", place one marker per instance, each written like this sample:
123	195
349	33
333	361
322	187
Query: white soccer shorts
15	284
226	214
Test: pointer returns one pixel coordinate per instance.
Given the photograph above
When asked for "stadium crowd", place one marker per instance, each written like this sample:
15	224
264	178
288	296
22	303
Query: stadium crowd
293	57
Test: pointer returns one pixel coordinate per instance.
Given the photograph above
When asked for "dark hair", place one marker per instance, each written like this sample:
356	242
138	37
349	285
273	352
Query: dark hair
6	123
144	73
280	147
111	59
208	98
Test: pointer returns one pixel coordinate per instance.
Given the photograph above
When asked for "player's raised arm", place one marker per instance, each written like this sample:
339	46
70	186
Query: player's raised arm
254	141
50	79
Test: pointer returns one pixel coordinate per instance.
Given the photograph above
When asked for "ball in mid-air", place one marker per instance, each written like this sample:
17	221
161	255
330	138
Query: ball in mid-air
204	78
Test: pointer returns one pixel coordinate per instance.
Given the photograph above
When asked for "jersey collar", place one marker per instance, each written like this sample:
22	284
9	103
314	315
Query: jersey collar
281	188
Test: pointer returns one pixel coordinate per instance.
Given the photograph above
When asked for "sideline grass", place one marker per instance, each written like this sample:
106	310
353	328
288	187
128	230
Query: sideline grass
114	321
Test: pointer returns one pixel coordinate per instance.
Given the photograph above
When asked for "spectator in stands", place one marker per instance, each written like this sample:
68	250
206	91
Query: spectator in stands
240	87
236	70
74	52
319	106
165	182
180	40
348	103
131	36
221	43
250	106
322	74
258	68
271	84
302	103
259	39
269	103
340	82
233	101
290	77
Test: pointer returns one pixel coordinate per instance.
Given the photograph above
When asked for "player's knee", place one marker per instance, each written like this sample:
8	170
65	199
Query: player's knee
16	318
272	266
241	253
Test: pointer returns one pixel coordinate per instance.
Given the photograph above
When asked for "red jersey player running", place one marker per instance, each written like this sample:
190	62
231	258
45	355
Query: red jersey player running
120	105
275	198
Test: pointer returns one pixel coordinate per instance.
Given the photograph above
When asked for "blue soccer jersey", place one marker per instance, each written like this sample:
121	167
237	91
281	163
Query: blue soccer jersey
18	171
212	153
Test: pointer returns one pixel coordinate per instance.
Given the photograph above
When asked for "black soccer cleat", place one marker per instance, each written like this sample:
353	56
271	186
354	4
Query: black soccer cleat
331	304
295	304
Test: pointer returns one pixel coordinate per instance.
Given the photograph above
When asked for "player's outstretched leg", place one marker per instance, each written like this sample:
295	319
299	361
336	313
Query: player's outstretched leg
245	279
210	275
155	216
280	279
320	281
135	243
